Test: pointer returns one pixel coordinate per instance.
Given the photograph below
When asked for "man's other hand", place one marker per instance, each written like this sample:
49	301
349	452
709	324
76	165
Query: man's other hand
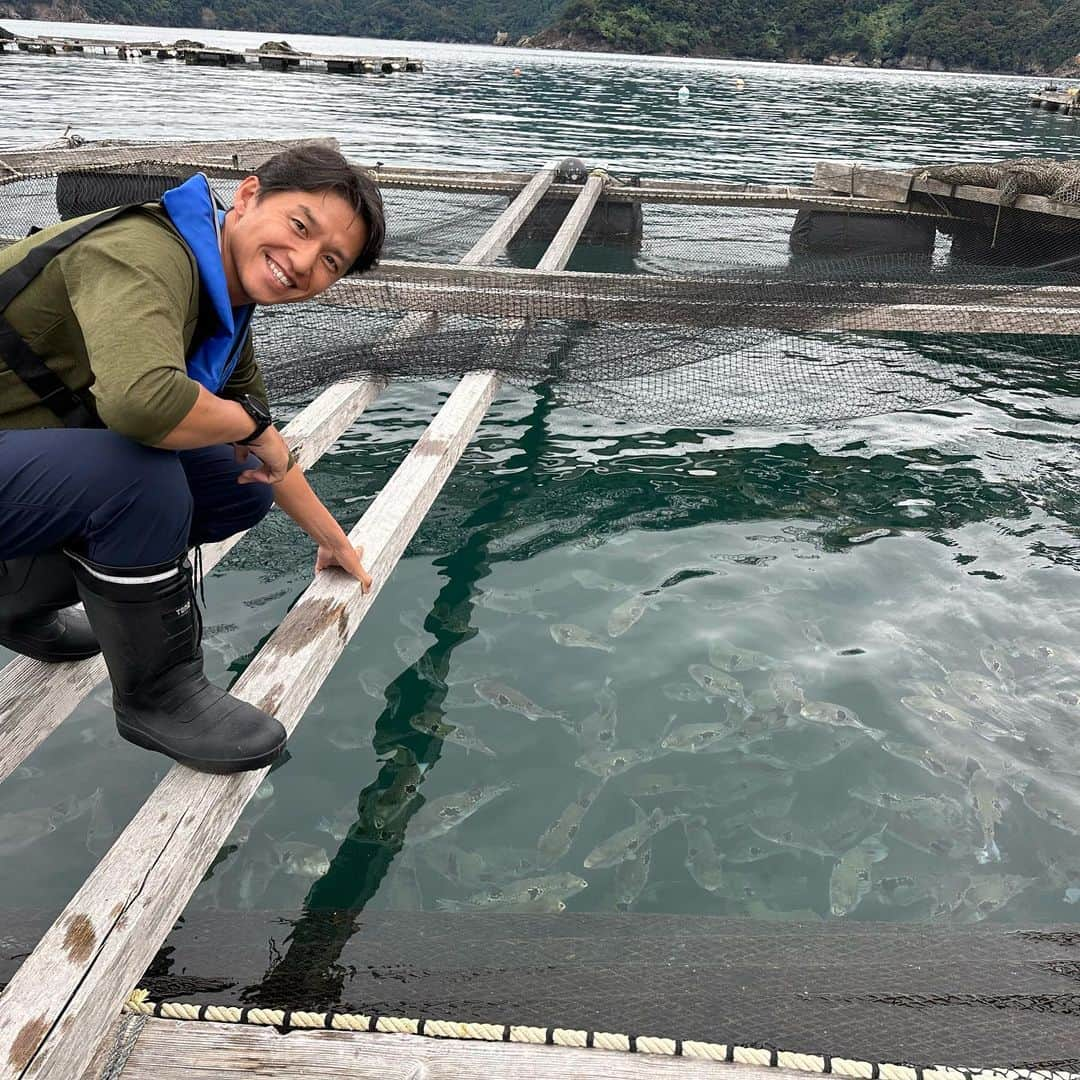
271	450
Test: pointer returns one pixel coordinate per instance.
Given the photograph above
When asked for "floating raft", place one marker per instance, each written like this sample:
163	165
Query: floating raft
271	59
1054	100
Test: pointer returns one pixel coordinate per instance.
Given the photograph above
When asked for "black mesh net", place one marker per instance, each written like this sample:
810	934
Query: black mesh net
682	314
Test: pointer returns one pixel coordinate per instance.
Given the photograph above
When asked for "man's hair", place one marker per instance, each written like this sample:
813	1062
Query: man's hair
316	167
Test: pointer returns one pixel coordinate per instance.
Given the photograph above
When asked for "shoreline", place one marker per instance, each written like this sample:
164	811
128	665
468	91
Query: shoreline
566	43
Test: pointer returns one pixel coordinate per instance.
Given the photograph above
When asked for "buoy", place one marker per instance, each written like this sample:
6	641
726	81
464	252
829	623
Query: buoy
739	82
517	73
684	93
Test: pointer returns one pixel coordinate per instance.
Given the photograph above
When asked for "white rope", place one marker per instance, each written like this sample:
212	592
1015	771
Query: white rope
139	1006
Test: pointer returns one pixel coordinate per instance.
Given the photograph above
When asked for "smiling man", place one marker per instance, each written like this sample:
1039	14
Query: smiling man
134	425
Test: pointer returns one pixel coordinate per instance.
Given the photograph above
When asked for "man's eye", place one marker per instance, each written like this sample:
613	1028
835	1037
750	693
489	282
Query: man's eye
332	263
299	224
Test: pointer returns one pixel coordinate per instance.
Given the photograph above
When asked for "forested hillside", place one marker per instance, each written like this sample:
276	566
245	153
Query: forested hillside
984	35
981	35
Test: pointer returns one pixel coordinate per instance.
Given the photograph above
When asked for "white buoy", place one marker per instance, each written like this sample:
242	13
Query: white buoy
684	94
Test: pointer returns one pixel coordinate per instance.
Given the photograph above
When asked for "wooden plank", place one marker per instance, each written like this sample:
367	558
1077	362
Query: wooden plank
859	181
488	248
850	178
35	698
1044	310
179	1050
562	245
668	288
217	154
58	1004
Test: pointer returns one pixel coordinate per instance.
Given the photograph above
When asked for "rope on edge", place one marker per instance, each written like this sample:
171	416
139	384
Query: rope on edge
138	1003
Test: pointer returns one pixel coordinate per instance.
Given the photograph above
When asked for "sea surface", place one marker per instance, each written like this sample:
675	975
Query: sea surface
815	672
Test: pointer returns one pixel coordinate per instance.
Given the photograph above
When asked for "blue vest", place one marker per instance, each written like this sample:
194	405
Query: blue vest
222	328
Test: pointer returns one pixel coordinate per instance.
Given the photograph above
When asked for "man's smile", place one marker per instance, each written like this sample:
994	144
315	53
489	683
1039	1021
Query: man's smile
279	275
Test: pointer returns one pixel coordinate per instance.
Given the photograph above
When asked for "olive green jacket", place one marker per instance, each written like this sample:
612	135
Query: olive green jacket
115	312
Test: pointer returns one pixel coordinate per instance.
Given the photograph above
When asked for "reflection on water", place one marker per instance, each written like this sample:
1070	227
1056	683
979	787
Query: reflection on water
791	674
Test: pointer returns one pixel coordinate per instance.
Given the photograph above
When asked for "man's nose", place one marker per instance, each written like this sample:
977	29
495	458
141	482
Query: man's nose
306	258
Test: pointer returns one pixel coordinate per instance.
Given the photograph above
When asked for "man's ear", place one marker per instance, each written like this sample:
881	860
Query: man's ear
246	191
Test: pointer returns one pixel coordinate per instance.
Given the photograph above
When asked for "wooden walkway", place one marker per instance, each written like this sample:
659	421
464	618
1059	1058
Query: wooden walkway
58	1015
1054	100
177	1050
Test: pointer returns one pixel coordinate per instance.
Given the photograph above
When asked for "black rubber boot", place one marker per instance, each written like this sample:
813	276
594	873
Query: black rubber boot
36	617
150	631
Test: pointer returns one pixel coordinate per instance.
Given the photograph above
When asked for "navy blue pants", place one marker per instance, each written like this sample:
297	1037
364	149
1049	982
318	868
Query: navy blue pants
116	501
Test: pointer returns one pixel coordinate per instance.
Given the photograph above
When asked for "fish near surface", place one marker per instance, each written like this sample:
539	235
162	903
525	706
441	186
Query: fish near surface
558	837
628	613
438	817
733	658
631	877
300	859
572	636
597	730
523	894
608	763
506	697
716	683
851	877
626	843
989	807
702	859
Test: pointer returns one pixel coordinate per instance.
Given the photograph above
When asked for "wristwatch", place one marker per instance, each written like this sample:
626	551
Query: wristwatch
259	413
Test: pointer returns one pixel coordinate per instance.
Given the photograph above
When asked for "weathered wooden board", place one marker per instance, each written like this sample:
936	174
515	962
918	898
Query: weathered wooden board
859	181
56	1008
178	1050
35	698
532	294
217	154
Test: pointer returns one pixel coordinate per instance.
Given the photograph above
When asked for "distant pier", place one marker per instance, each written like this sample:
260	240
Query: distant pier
1054	100
191	52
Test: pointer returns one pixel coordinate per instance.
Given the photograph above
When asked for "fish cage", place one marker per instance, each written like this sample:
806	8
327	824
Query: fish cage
684	303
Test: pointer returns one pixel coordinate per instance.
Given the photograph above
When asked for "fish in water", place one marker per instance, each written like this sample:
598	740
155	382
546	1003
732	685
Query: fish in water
462	735
300	859
939	761
506	697
623	617
825	712
479	866
702	859
597	730
631	876
716	683
626	843
659	784
998	662
851	877
987	894
608	763
546	893
732	658
511	602
102	829
573	636
438	817
21	828
988	807
698	738
558	837
588	579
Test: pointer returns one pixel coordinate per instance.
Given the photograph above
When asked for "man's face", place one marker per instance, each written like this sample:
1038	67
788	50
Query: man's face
288	245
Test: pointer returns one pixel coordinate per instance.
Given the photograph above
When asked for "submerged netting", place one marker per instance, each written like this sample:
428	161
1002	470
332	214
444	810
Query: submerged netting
856	1000
691	315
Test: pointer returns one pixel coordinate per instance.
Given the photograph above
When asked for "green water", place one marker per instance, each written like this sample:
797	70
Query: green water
869	562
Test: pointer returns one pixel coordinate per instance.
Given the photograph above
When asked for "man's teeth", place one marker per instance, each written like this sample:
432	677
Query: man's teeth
278	272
